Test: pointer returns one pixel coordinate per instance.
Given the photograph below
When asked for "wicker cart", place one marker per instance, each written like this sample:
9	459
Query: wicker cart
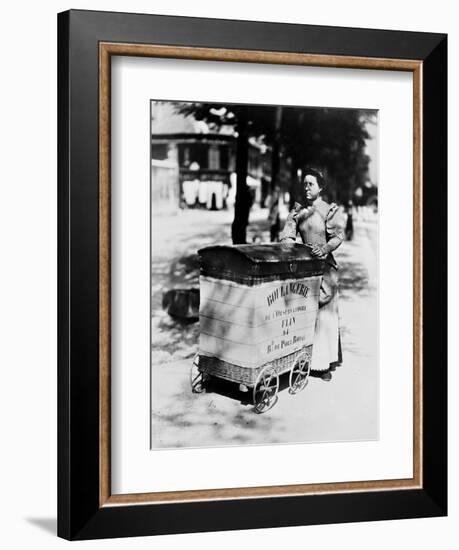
257	314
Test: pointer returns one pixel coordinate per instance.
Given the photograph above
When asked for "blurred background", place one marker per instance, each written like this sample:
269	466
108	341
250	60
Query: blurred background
213	156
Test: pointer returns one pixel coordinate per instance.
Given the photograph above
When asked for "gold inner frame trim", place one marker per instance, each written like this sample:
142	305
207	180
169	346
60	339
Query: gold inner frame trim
106	51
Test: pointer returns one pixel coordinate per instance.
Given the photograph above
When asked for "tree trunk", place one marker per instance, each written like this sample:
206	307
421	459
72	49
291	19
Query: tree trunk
275	157
295	188
243	201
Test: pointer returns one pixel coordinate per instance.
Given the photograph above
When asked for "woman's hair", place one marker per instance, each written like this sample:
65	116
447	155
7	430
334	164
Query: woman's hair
312	171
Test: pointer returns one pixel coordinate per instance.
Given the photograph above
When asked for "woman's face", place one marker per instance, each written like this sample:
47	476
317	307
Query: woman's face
311	187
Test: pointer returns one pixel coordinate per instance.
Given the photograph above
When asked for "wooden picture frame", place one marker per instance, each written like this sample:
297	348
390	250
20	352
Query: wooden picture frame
87	41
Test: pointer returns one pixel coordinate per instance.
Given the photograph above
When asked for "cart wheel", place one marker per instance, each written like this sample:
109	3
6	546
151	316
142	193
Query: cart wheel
197	378
299	373
265	390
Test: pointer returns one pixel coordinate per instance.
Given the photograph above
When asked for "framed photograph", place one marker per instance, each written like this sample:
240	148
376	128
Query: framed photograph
252	275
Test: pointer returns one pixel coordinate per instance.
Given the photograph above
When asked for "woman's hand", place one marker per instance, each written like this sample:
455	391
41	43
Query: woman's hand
319	251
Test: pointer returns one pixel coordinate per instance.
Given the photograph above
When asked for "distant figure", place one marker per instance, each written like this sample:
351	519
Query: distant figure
350	221
274	218
321	227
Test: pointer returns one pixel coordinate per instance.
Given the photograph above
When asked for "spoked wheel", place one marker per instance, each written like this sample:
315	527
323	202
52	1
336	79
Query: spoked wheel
265	390
299	373
197	378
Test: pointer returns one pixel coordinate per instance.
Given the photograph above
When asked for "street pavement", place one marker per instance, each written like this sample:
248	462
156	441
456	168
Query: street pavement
344	409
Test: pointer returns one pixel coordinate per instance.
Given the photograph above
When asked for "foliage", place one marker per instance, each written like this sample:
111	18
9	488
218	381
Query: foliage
329	138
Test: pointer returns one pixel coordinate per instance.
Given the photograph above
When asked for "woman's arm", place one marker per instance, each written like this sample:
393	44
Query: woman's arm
291	226
334	226
332	244
334	229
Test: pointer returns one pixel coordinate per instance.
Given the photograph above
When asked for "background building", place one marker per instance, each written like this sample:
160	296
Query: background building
194	167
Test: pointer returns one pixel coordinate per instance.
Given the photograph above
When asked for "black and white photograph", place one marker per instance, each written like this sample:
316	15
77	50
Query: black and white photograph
264	274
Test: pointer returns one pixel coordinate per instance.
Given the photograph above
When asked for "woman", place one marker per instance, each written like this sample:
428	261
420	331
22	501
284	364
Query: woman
321	227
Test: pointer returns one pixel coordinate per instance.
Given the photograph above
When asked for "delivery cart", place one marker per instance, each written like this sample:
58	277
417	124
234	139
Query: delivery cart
257	314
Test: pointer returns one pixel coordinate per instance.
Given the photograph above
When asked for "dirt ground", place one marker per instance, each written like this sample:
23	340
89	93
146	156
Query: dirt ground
344	409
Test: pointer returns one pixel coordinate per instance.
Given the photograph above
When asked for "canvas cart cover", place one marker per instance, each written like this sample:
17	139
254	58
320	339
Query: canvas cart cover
258	303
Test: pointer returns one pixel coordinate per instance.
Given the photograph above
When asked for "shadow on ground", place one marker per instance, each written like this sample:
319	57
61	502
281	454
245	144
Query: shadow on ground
186	411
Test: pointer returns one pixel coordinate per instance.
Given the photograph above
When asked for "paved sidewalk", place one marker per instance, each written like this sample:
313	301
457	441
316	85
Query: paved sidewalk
344	409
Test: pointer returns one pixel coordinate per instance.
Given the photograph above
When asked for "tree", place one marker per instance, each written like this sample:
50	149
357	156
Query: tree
330	138
276	147
246	121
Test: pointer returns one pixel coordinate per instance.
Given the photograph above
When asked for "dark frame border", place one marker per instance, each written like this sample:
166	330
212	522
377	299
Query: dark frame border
107	51
80	515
